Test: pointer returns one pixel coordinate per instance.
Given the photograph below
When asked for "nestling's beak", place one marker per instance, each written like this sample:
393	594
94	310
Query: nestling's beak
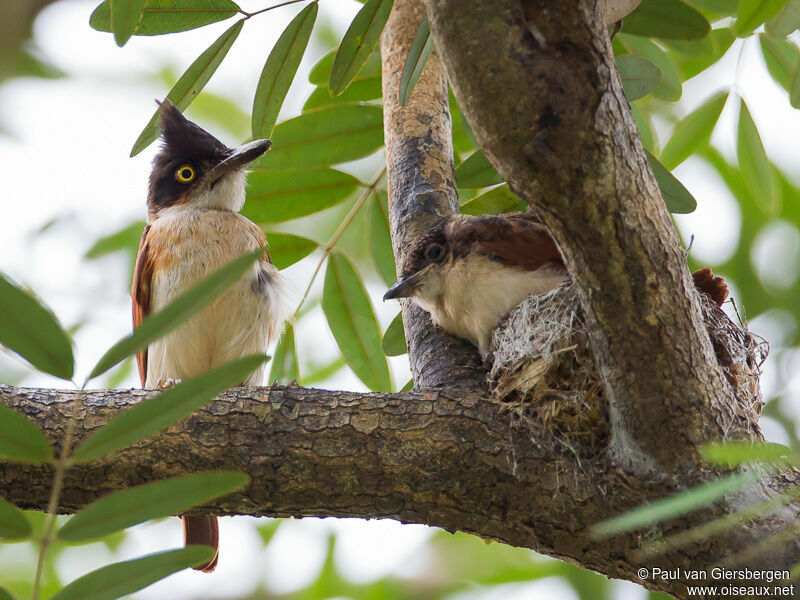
240	157
405	288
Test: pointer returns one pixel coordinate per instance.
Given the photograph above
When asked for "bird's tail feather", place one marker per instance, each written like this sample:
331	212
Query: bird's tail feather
203	530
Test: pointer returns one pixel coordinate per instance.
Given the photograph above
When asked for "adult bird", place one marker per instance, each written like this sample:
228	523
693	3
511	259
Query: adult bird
468	272
197	187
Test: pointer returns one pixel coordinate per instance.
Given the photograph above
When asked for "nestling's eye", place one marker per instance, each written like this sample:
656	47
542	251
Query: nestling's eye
434	252
184	174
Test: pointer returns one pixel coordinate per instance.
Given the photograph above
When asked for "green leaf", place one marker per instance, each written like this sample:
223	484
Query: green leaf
670	86
358	43
191	82
358	91
645	128
499	199
285	367
721	7
676	196
353	323
32	331
166	408
693	131
463	138
13	524
5	594
639	75
275	196
322	373
320	73
126	238
285	249
178	311
380	240
125	16
673	506
696	56
666	19
781	57
21	439
394	338
786	21
28	63
169	16
408	386
219	112
794	91
752	13
155	500
324	137
123	578
477	172
753	162
279	71
418	54
739	452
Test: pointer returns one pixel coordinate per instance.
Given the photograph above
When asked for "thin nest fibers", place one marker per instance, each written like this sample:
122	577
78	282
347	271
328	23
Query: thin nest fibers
541	365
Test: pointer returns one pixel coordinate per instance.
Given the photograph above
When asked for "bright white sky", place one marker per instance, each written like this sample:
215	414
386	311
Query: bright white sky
66	155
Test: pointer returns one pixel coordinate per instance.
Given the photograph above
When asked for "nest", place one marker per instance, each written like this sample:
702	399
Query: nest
541	365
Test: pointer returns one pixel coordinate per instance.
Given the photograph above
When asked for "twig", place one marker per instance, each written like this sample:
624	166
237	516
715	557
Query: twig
61	465
258	12
327	248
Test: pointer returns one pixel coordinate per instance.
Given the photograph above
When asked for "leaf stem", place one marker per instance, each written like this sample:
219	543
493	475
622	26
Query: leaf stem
258	12
327	248
55	493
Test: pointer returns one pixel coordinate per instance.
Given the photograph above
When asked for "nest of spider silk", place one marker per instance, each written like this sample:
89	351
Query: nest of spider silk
541	366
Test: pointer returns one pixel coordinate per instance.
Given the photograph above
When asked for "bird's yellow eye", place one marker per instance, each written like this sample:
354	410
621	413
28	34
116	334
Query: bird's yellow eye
184	174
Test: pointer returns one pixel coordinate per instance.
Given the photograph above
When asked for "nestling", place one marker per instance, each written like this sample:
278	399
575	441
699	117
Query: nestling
468	272
197	187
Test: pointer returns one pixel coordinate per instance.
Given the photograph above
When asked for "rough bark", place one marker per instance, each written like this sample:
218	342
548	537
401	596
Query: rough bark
451	459
419	161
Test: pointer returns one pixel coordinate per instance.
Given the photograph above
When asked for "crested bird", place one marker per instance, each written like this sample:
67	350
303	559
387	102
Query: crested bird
196	189
467	272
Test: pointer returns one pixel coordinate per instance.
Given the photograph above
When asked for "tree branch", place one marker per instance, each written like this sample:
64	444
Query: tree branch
421	182
450	459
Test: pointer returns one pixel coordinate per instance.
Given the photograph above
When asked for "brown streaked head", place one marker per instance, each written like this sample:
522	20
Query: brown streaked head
431	250
514	240
191	162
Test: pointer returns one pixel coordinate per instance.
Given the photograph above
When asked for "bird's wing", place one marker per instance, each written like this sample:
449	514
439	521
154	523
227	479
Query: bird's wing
140	294
261	240
518	240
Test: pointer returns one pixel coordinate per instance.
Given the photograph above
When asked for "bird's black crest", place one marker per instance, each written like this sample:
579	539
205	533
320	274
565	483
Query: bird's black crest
182	143
181	136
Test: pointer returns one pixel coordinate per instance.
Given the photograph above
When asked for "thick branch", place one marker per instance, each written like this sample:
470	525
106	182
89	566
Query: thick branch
419	162
449	459
536	80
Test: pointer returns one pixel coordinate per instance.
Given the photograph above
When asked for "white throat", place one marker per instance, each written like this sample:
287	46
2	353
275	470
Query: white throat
227	194
468	297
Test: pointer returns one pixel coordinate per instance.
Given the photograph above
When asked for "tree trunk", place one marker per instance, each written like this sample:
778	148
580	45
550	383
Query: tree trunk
422	188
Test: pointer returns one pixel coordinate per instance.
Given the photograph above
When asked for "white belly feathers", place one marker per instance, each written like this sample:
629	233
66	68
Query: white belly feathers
243	320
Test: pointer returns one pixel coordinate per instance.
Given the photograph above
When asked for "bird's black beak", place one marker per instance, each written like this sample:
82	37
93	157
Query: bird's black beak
405	287
241	156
